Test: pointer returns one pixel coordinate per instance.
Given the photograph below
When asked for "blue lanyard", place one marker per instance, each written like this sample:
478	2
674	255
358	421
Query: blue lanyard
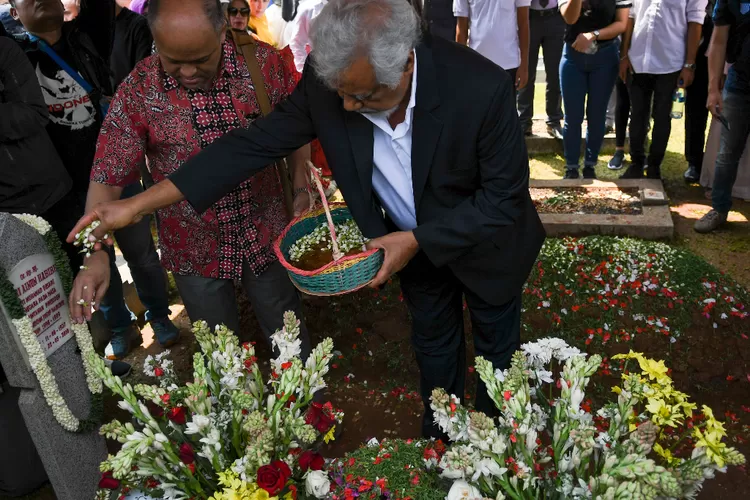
44	46
75	75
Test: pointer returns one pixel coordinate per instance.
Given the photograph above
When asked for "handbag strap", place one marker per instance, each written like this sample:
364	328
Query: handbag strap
246	44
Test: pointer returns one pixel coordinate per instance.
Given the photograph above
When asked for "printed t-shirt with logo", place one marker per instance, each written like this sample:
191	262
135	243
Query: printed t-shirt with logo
73	122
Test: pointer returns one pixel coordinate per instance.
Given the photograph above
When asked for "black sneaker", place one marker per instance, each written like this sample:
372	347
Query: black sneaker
616	163
589	172
571	173
555	131
692	175
633	172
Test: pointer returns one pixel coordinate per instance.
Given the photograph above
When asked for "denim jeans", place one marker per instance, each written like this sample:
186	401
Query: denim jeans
737	112
138	248
583	75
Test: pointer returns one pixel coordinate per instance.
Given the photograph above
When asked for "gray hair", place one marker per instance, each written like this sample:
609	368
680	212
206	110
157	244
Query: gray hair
385	31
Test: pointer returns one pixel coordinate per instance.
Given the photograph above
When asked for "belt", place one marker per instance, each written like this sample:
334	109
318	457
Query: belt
544	12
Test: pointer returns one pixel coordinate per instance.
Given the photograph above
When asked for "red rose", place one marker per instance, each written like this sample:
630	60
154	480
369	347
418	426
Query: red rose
177	415
187	456
310	460
283	468
158	372
273	477
318	417
108	482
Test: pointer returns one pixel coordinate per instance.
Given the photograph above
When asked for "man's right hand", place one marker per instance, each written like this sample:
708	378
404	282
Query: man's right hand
89	287
112	215
715	103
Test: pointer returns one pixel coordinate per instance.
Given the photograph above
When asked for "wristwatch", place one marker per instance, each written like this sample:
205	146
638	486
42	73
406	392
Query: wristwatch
596	34
300	191
690	66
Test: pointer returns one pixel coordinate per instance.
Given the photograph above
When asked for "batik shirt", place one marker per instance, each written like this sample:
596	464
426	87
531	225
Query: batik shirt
153	115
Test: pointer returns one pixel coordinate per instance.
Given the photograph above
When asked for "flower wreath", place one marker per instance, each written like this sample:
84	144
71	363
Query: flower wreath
37	358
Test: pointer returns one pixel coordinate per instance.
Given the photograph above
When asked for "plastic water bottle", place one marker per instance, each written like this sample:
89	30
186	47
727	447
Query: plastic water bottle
678	104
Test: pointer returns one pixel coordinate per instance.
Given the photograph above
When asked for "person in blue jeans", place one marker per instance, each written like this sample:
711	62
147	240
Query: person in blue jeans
588	70
730	42
137	246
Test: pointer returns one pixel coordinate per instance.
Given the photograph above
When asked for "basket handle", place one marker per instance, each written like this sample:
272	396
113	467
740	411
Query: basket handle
337	255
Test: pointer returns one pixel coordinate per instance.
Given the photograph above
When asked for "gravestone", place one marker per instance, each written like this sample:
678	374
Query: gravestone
70	460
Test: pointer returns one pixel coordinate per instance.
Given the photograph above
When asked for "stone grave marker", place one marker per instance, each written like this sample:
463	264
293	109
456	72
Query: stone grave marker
71	460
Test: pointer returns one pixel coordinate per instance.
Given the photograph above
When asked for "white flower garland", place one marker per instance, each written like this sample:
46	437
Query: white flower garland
38	360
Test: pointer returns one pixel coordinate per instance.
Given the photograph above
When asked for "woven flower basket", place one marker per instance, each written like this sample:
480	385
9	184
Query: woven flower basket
344	274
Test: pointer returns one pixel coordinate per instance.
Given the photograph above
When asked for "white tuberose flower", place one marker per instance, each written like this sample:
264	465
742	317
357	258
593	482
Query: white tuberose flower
317	483
198	425
461	490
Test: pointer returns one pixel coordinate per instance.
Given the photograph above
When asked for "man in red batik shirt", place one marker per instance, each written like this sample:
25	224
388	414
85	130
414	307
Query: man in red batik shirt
174	104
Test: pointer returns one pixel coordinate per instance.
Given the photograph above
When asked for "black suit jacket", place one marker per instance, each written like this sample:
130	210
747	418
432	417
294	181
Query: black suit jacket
469	165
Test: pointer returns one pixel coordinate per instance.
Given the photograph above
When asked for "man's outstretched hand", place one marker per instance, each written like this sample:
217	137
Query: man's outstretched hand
399	249
112	215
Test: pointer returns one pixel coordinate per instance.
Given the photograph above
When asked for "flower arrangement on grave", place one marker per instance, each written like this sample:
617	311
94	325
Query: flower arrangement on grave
31	343
546	443
227	434
315	249
395	469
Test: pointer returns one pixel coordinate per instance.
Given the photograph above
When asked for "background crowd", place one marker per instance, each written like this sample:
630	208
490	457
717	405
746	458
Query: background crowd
89	115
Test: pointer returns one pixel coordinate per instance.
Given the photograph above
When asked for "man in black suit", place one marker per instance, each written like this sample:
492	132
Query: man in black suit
423	139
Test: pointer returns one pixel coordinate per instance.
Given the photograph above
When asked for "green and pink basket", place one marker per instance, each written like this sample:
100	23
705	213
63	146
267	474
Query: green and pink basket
344	274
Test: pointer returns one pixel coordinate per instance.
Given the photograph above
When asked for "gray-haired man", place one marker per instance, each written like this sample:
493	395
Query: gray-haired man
437	181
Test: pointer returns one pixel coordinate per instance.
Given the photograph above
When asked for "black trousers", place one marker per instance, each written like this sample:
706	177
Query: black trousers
622	113
643	88
696	113
435	300
546	30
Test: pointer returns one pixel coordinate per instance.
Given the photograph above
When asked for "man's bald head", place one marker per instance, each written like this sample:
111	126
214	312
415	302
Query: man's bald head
188	35
193	12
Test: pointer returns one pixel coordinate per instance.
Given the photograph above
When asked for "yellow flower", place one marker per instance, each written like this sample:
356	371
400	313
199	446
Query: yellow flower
330	435
663	413
711	440
656	370
666	455
711	423
630	355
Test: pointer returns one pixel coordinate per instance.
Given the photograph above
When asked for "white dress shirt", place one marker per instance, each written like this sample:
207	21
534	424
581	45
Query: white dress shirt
391	157
660	33
493	28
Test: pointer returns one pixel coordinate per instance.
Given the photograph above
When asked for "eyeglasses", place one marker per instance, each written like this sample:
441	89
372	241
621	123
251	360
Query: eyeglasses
233	11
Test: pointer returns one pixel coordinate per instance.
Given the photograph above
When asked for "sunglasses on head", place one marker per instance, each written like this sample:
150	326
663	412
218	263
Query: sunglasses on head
233	11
